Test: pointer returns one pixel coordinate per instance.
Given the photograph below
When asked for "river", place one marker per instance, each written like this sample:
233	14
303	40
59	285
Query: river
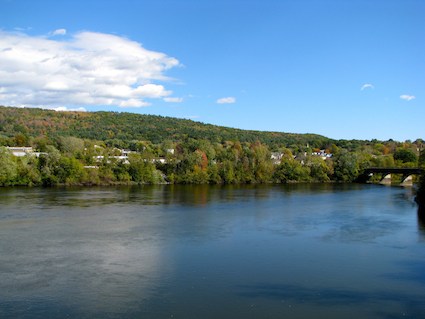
285	251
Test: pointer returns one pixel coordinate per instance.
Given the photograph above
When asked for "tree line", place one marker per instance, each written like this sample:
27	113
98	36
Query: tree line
77	148
74	161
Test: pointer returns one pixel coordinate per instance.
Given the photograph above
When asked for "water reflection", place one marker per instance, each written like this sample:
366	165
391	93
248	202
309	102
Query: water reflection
197	195
421	221
328	296
334	298
211	252
86	261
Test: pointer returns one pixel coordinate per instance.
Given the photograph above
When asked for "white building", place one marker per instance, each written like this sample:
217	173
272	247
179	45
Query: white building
323	155
20	151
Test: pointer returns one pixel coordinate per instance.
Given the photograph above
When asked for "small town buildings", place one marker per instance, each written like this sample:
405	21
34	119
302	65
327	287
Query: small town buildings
20	151
276	157
322	154
23	151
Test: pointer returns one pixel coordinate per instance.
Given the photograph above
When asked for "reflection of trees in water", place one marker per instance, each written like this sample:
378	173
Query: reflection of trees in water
196	195
421	220
202	195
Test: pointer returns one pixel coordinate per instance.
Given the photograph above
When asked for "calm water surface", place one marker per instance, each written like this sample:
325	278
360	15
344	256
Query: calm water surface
296	251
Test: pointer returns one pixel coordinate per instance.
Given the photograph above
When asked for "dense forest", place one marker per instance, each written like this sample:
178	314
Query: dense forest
98	148
120	129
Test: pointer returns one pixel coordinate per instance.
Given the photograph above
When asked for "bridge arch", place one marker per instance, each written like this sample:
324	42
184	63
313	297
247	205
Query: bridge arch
386	173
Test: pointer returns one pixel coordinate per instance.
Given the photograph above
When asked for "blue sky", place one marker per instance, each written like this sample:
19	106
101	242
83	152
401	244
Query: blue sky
343	69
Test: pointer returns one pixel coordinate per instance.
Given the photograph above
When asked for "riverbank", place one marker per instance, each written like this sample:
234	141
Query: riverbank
164	182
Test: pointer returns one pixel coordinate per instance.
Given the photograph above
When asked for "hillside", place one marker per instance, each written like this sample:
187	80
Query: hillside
103	148
130	126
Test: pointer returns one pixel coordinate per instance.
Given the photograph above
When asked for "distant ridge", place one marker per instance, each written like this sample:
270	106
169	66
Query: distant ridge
104	126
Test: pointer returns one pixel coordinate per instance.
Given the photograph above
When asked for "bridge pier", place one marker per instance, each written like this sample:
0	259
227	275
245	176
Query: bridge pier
407	181
386	180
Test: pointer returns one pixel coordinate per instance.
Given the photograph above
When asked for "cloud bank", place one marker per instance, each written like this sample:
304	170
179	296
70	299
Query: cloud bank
85	69
407	97
226	100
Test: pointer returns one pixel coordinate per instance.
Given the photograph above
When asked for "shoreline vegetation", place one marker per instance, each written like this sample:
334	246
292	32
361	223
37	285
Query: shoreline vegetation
47	148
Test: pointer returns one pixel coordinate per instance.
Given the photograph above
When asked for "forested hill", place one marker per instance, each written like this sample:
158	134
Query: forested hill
106	126
104	148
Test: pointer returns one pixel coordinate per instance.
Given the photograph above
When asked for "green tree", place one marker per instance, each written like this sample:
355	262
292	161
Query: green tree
291	170
21	139
383	161
71	145
40	143
69	171
91	176
213	174
142	170
47	165
421	160
405	156
8	167
4	140
27	171
198	176
120	170
346	166
319	170
106	174
262	164
227	172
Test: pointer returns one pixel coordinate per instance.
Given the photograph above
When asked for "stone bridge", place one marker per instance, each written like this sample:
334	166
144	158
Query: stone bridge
386	173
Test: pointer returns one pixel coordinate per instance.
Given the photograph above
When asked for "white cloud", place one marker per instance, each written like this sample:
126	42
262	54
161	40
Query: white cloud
226	100
133	103
173	99
59	32
57	108
87	69
367	86
56	86
151	91
407	97
65	109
